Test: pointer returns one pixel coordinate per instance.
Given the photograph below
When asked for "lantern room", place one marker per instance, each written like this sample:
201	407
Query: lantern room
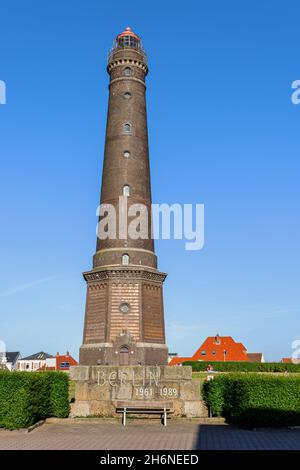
127	40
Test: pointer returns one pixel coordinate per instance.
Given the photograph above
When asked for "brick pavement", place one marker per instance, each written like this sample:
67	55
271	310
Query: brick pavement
137	435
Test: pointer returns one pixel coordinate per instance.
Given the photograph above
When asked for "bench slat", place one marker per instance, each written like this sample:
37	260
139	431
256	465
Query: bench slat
144	404
144	410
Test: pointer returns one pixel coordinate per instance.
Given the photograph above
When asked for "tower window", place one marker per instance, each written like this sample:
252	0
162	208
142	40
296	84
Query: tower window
124	307
126	190
127	71
126	154
127	95
125	259
127	128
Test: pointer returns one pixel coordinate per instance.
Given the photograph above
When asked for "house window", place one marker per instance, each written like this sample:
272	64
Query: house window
127	71
213	353
64	365
126	154
126	190
125	259
203	353
127	128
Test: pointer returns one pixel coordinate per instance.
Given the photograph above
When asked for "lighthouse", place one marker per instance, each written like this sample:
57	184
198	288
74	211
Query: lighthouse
124	315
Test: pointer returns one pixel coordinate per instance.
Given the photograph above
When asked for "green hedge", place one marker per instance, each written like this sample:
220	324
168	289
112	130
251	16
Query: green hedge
255	400
244	366
27	397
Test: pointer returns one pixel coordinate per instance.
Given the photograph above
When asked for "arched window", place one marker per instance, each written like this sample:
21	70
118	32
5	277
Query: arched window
126	190
125	259
127	95
127	128
124	356
127	71
126	154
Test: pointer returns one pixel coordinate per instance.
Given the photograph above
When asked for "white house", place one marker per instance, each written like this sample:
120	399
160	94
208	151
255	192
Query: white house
9	360
33	362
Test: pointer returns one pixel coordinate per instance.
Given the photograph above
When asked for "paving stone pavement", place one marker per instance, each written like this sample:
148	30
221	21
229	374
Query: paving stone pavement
177	436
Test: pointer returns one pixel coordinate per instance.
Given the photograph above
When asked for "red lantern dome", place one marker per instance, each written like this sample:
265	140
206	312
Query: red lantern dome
128	39
128	32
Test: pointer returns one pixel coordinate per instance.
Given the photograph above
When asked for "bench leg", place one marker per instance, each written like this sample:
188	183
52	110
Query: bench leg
165	417
124	417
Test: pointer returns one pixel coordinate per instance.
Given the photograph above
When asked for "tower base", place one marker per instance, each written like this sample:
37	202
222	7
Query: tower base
99	390
115	353
114	336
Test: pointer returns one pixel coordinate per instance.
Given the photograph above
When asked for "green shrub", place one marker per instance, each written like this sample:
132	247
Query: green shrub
213	395
255	400
59	395
27	397
244	366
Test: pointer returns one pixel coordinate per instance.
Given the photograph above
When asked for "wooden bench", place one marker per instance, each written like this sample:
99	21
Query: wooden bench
145	407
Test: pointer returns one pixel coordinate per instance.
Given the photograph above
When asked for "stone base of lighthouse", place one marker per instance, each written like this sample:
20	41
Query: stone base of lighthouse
100	390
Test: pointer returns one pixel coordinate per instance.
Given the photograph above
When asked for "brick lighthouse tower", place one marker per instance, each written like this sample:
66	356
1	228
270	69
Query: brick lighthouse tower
124	317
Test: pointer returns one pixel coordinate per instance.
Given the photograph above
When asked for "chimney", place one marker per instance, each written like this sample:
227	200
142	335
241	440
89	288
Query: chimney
57	353
67	353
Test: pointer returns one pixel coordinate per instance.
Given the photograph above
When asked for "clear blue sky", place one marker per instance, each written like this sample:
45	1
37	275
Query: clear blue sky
223	132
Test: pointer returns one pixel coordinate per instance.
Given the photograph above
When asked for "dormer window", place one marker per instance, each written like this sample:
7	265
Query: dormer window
217	339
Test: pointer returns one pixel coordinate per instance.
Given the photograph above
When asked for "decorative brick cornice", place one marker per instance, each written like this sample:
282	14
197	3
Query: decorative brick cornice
122	62
124	274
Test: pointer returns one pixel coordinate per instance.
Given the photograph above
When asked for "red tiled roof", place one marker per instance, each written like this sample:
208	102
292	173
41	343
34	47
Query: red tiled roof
214	347
255	357
59	359
289	360
65	358
178	360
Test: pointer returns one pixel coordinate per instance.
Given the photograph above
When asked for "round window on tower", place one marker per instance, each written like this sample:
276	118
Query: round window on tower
127	95
126	154
124	307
